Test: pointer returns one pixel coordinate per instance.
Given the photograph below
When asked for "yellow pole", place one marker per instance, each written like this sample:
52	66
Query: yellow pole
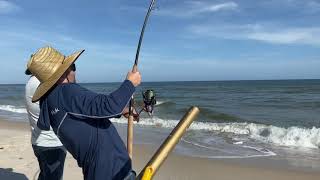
167	146
148	173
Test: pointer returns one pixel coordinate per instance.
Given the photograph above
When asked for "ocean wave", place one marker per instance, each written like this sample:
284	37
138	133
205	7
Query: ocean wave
12	109
209	114
291	137
160	102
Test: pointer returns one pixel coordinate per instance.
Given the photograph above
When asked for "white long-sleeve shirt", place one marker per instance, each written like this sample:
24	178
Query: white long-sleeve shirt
38	137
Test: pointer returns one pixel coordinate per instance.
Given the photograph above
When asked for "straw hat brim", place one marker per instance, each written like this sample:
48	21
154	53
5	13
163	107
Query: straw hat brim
44	87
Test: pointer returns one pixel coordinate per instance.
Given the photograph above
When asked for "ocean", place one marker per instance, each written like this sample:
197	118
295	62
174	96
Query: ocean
278	119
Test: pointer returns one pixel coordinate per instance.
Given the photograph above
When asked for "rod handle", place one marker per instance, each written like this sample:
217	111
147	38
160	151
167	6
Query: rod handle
130	136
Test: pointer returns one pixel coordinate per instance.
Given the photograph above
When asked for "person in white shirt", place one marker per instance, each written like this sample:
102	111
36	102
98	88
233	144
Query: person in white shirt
46	145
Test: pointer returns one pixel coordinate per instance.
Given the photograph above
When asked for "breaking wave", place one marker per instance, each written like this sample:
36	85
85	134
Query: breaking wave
14	109
292	136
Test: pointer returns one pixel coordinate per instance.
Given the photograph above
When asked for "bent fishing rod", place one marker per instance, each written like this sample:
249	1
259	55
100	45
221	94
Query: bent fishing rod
135	69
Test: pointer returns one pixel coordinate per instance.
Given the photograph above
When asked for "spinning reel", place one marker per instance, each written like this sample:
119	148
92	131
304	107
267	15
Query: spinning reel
149	101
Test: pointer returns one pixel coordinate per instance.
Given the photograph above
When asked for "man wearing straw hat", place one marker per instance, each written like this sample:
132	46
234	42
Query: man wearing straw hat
80	118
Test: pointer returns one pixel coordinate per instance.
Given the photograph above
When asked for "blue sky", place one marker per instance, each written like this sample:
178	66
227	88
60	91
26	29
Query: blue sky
184	40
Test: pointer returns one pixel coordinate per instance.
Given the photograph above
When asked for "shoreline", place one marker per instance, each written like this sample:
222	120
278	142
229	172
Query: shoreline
17	160
14	125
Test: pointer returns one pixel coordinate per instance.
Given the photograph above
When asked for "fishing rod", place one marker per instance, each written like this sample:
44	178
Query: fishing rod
151	7
135	69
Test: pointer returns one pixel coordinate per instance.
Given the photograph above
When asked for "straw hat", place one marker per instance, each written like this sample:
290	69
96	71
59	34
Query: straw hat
48	65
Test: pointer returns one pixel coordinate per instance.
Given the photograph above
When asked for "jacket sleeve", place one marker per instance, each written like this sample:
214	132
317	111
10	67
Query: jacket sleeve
89	104
43	122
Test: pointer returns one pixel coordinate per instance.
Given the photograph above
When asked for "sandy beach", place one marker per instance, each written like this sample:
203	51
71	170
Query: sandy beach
17	162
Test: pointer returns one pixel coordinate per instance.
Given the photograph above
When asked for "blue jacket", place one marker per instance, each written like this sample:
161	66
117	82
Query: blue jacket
80	118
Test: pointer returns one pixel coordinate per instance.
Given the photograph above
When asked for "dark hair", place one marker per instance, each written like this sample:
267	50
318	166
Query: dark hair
73	67
28	72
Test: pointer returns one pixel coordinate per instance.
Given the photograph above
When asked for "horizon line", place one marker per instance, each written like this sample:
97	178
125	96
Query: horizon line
187	81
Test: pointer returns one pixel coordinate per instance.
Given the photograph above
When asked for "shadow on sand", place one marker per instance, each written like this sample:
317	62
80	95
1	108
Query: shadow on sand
7	174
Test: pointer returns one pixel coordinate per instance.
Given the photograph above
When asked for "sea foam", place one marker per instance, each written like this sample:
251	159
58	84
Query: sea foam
13	109
291	137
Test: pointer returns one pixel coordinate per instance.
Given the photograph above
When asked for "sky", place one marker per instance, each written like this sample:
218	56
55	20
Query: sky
185	40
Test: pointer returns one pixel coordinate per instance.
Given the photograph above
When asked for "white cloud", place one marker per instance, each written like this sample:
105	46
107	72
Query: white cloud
7	7
289	36
264	33
195	8
219	7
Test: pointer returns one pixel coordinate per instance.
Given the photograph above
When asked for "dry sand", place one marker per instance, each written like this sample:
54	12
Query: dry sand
17	162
